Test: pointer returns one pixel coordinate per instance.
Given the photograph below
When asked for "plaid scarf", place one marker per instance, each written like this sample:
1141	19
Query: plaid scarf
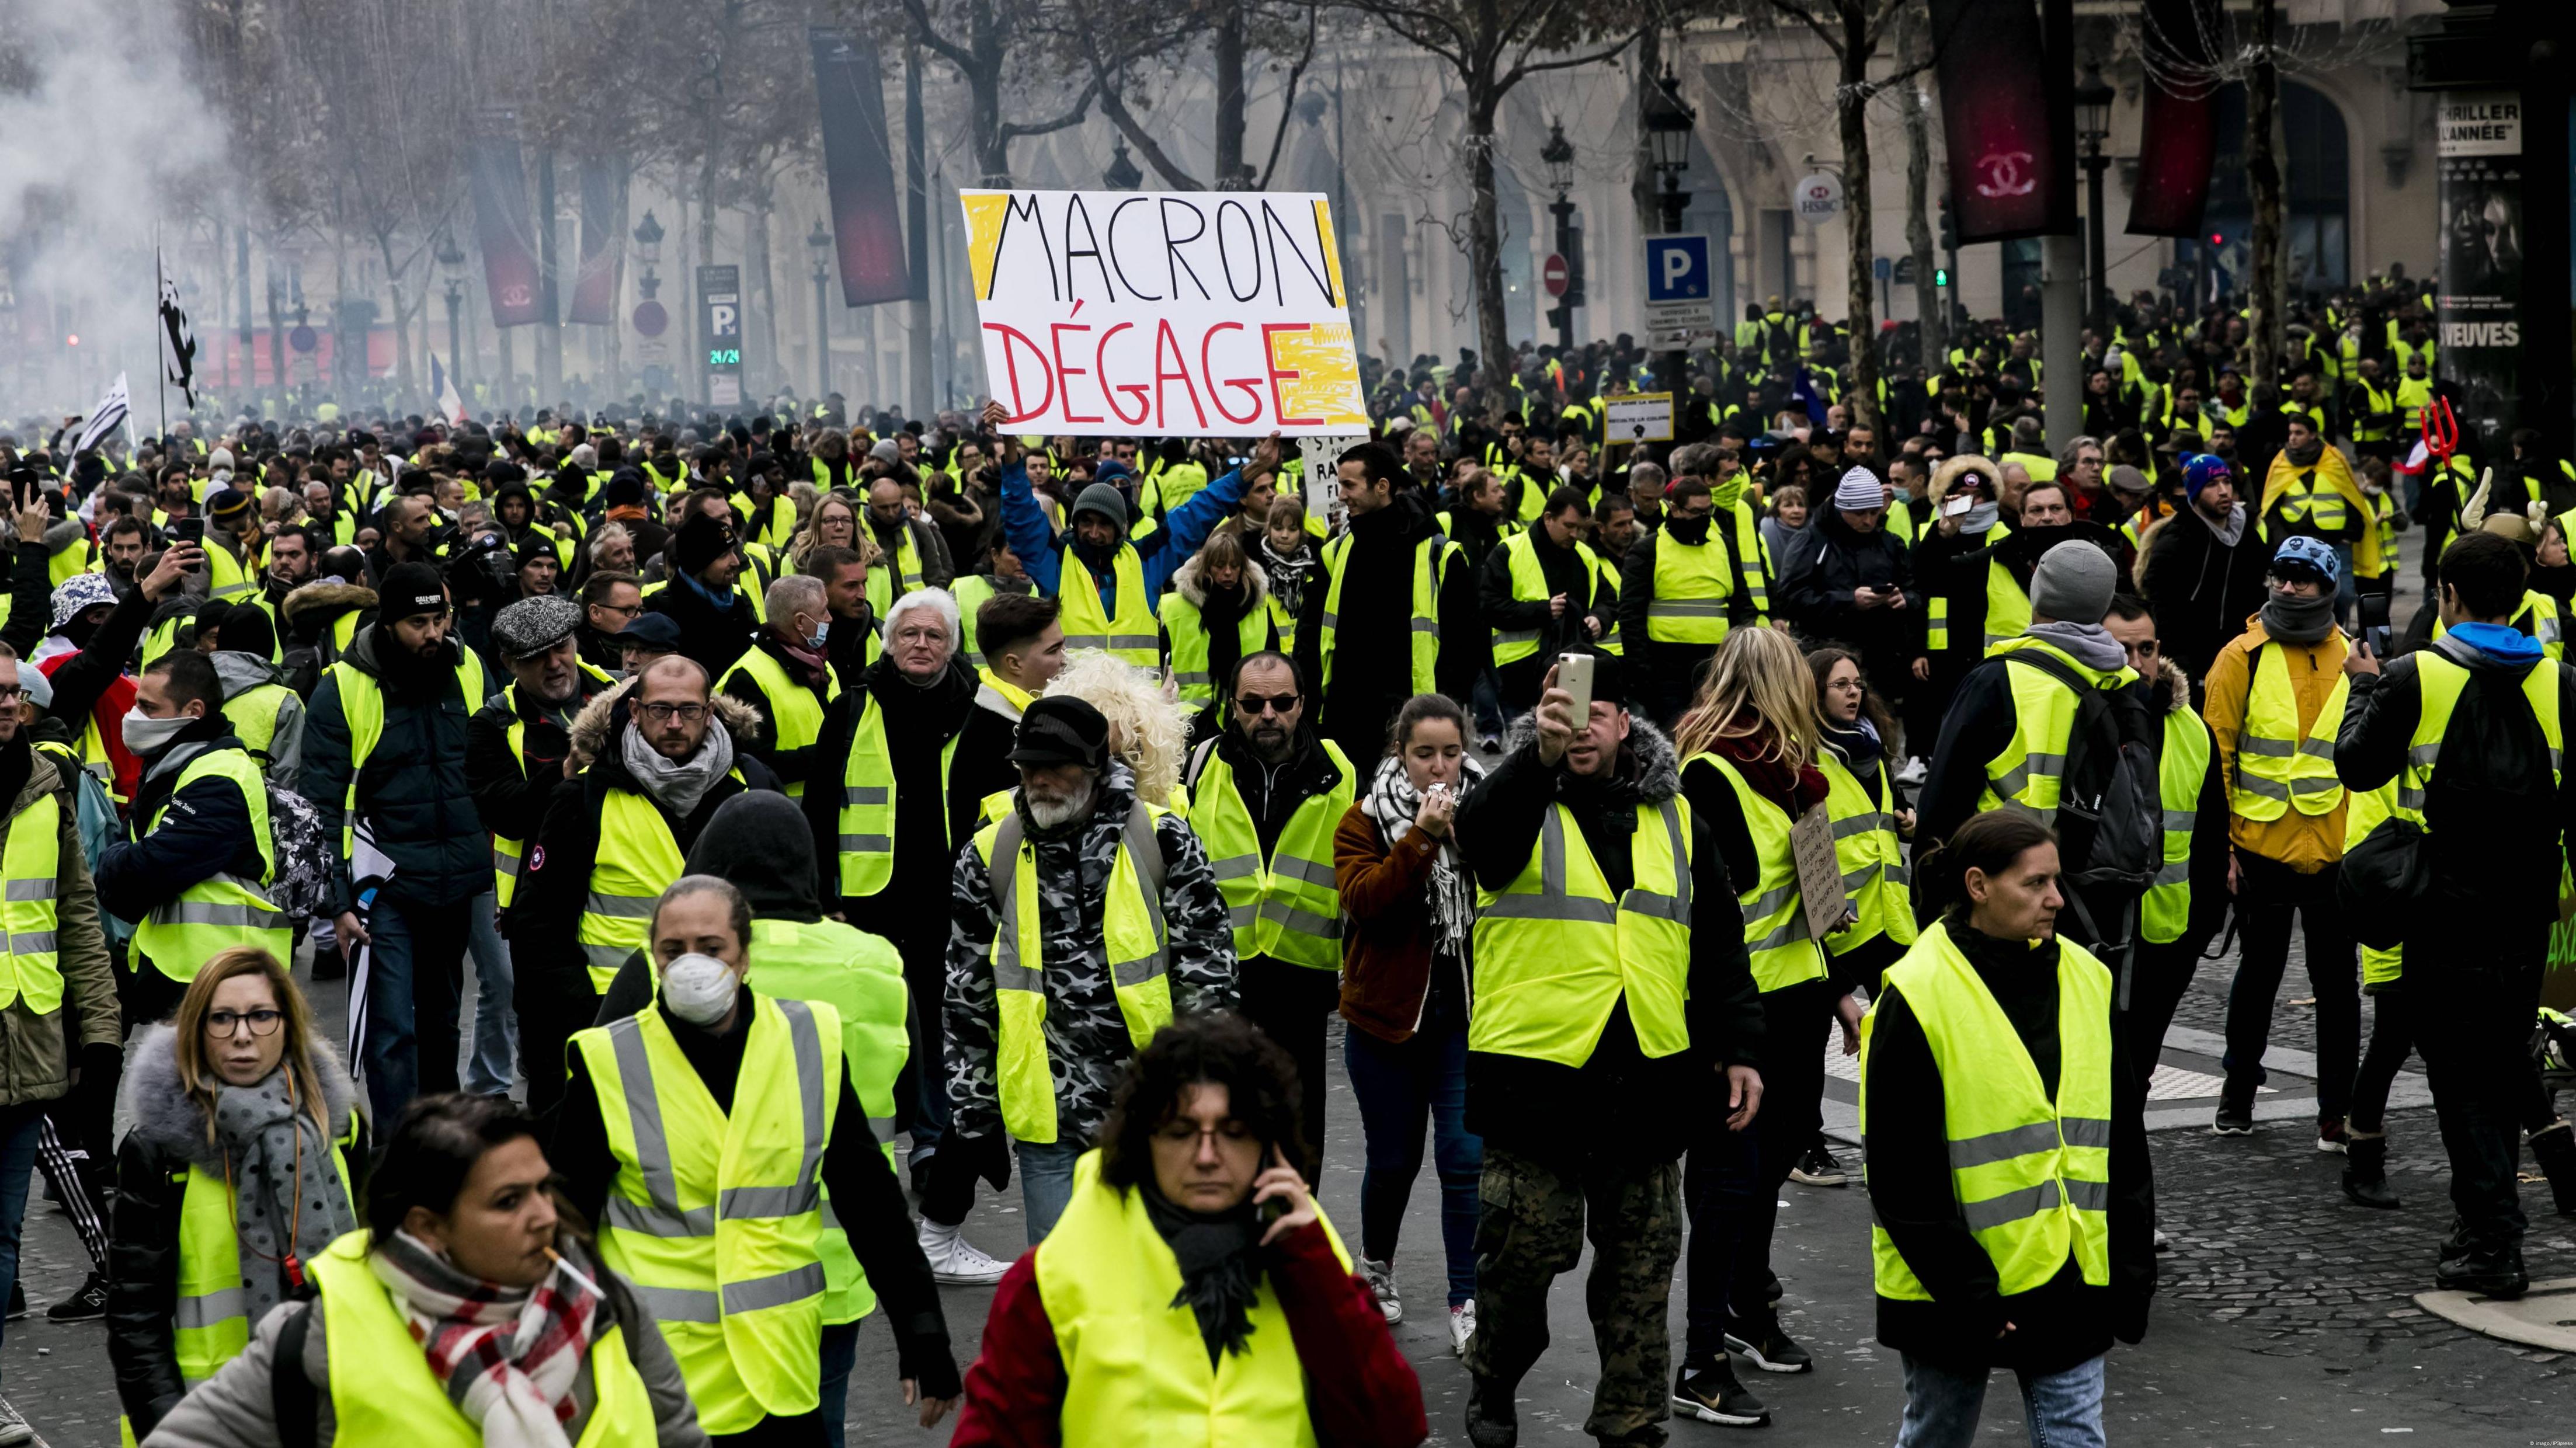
509	1357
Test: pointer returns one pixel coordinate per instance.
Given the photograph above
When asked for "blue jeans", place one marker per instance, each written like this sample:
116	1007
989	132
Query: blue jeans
2064	1410
840	1355
488	1072
1046	1182
1401	1088
19	1127
415	968
1486	699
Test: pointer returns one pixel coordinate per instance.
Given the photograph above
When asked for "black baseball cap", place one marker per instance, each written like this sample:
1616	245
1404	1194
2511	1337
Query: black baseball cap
653	631
1061	731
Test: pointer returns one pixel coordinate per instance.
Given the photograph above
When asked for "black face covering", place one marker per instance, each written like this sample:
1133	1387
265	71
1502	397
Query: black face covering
80	630
1693	531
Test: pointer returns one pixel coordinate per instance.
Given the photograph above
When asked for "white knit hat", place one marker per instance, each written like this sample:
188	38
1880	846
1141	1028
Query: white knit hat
1859	492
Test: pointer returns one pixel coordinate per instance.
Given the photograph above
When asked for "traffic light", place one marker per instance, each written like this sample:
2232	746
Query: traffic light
1949	231
1940	276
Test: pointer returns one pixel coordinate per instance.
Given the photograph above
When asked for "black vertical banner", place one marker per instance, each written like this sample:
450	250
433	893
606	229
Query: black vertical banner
858	165
594	287
2178	139
2478	146
499	181
2009	174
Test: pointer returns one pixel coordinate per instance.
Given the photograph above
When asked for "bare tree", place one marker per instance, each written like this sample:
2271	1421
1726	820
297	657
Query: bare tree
1915	101
1115	40
1492	47
2263	185
995	45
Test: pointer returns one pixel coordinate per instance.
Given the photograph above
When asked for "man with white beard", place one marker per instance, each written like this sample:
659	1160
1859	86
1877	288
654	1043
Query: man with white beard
1101	912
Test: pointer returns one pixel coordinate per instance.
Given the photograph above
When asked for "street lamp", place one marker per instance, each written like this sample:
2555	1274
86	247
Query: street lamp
2093	97
1558	154
451	264
1122	174
1669	126
821	242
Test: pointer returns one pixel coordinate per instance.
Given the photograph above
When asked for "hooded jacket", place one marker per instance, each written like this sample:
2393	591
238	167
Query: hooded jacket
1219	617
309	618
1564	1113
713	637
412	791
171	1135
544	919
240	673
2203	588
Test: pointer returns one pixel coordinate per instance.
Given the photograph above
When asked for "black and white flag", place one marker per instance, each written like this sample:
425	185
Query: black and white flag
178	343
104	422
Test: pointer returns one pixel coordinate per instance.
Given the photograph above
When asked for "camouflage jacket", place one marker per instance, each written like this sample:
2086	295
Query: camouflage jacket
1086	1037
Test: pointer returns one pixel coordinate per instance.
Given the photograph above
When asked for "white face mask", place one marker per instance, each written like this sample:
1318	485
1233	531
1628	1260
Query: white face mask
146	736
699	989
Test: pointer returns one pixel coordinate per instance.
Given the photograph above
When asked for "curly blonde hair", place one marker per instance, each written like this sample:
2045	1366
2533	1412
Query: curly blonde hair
1148	727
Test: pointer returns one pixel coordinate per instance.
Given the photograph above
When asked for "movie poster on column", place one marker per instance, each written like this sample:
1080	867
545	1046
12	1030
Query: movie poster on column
2479	151
1170	314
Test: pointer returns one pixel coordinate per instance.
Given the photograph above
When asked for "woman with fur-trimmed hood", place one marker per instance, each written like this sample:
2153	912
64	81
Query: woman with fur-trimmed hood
683	768
1218	611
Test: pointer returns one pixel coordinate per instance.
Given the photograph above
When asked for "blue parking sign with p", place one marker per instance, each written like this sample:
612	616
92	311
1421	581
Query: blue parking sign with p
1677	269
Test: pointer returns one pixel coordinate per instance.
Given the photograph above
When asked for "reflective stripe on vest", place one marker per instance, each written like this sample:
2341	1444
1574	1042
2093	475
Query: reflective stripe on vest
860	976
2032	1178
2180	768
1133	635
907	562
223	910
1286	908
638	859
1555	953
1691	589
1530	585
2278	765
866	833
2007	605
1871	857
2440	682
509	855
1424	624
383	1393
1135	1368
1188	629
1776	936
795	716
715	1216
210	1320
1131	927
2030	773
32	862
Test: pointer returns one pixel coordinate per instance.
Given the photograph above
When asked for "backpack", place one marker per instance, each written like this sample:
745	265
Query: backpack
2110	813
100	826
305	853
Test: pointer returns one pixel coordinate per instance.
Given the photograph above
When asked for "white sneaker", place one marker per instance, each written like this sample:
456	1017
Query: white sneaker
953	1260
1462	1326
1380	1277
13	1428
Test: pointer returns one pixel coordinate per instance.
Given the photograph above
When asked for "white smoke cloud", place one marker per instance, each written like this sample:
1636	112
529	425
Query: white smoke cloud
103	131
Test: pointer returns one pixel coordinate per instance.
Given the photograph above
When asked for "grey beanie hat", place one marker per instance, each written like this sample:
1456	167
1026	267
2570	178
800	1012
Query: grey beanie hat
2073	583
533	625
1106	500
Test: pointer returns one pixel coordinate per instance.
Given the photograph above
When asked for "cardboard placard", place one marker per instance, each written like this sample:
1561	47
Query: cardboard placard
1820	875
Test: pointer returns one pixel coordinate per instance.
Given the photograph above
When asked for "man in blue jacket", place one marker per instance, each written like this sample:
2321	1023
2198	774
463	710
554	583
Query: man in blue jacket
384	748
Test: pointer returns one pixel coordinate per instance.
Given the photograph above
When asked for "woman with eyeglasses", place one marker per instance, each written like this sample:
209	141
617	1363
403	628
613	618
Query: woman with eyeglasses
234	1179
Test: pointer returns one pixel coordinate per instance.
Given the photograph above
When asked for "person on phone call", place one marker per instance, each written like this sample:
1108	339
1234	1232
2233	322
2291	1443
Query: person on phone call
1545	590
1271	1339
1853	583
2008	1167
1591	996
2275	703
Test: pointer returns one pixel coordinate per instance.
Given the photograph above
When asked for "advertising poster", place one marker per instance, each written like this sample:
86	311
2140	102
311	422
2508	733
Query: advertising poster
1172	314
2479	152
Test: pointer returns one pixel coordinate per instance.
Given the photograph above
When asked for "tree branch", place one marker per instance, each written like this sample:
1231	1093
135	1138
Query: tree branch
939	44
1013	130
1527	68
1288	103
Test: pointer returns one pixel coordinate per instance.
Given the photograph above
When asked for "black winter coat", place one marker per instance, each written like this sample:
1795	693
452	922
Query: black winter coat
1818	594
712	636
2202	589
412	792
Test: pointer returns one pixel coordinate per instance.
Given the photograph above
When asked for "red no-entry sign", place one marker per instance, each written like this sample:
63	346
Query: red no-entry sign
1553	275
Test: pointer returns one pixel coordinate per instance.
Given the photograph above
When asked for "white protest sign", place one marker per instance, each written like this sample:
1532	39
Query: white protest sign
1637	417
1174	314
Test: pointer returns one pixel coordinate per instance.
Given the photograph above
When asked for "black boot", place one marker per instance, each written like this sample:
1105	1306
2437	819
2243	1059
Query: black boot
329	964
2555	1150
2365	1171
1491	1421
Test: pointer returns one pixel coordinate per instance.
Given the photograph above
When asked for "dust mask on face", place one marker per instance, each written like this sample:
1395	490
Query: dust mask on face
699	989
146	737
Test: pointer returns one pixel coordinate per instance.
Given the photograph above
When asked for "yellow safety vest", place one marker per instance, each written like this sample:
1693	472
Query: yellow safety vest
31	864
1425	623
638	859
2277	764
1529	585
253	713
508	855
2302	500
1868	852
1188	629
1776	936
2166	911
795	715
1139	965
2440	682
1555	952
362	705
2372	808
860	976
1136	1369
1287	907
1691	590
868	804
1132	635
210	1325
2032	1178
907	561
716	1217
2031	771
222	910
227	577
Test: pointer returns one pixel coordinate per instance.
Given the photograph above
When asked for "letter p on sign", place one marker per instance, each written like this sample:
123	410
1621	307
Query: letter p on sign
1677	268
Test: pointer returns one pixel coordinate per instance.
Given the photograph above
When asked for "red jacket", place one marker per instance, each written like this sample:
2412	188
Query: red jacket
109	714
1360	1391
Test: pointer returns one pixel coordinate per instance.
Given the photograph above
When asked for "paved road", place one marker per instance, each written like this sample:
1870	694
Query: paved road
2285	1318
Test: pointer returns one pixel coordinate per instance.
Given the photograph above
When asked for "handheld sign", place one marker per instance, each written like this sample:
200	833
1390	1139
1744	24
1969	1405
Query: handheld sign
1173	314
1637	417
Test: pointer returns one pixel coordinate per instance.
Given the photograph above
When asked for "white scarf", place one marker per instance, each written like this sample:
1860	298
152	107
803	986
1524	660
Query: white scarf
1392	803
